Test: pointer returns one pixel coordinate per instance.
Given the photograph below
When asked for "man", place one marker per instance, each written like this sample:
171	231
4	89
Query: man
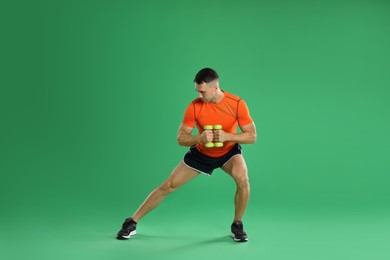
212	107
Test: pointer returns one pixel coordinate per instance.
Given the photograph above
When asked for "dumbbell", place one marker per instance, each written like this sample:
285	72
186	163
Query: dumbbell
211	144
218	127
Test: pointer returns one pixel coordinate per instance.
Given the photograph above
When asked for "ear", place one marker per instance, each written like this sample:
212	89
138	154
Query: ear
216	84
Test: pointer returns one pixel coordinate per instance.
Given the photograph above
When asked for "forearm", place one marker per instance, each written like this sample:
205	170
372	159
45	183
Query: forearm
242	138
185	139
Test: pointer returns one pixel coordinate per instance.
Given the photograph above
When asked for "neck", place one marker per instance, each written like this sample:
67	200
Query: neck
218	97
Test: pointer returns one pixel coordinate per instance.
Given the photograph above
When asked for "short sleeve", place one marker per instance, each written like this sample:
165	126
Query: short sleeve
189	116
243	115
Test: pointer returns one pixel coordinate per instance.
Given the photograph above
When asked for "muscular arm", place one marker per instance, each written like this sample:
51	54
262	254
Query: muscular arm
247	136
184	137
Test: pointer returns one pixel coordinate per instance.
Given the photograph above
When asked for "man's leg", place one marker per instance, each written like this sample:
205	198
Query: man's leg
179	176
236	168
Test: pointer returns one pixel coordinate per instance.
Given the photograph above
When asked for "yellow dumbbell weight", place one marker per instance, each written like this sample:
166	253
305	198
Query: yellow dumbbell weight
209	144
218	127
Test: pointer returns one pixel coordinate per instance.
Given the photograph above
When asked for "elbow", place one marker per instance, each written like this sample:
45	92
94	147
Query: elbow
179	141
253	138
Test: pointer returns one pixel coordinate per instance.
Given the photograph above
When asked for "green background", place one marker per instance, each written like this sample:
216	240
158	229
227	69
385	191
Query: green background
93	92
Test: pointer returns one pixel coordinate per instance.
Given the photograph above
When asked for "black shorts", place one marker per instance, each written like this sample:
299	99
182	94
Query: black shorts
206	164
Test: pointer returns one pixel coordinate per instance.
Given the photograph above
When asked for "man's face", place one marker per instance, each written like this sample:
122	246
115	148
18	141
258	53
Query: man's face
206	91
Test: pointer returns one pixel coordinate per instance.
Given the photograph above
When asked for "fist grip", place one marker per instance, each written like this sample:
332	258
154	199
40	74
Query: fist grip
211	144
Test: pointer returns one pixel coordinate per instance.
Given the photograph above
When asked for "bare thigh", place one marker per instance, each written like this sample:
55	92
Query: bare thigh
236	167
179	176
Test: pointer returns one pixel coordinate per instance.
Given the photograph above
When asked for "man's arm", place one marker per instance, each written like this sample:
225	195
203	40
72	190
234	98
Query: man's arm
247	136
185	137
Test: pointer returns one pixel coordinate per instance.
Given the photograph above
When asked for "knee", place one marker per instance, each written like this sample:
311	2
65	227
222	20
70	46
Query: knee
242	181
244	184
167	187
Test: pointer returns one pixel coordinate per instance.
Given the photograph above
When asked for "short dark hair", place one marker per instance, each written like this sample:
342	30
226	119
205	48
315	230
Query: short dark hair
206	75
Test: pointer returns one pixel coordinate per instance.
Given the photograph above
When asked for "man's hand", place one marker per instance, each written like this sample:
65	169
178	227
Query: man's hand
221	136
206	136
247	136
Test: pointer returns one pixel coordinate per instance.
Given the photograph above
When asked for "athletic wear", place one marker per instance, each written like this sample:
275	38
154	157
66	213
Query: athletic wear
238	233
230	112
128	229
206	164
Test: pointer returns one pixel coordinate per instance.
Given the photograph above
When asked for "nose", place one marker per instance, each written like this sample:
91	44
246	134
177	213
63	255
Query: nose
200	95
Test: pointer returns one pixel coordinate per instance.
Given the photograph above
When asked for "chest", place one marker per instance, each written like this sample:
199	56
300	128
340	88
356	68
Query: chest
212	114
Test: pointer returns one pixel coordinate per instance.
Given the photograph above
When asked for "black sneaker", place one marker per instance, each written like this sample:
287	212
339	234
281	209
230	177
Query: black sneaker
238	233
127	230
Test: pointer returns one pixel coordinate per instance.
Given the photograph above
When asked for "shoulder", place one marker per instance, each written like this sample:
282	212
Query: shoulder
197	103
232	97
197	100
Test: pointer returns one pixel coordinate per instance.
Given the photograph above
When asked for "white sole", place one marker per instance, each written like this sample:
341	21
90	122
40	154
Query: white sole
236	239
132	233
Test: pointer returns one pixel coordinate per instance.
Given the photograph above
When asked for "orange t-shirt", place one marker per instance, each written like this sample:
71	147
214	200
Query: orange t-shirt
230	112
